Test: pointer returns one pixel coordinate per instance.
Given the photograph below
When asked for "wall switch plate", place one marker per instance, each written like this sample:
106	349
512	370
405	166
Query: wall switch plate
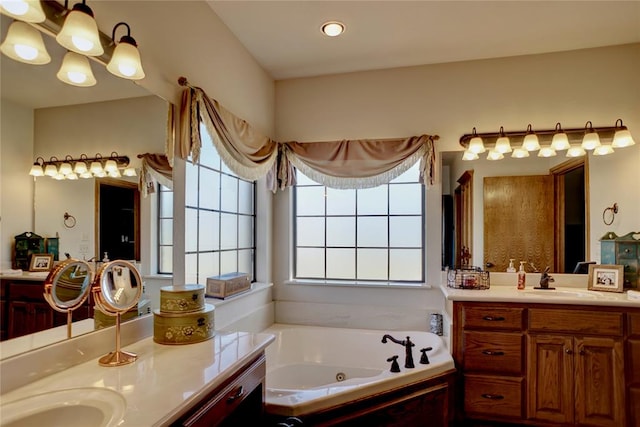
84	249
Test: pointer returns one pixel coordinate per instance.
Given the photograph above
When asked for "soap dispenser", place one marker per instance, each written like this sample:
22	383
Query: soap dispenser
511	268
521	276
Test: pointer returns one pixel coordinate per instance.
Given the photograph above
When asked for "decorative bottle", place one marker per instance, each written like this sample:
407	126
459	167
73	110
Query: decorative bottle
521	276
511	268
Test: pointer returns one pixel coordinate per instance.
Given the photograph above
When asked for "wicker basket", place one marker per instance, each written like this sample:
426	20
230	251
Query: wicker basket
468	278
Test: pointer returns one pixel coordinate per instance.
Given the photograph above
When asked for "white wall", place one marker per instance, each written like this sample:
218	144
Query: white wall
600	85
16	186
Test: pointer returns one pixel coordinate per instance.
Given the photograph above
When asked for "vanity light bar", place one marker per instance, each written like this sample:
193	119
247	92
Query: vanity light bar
83	167
557	139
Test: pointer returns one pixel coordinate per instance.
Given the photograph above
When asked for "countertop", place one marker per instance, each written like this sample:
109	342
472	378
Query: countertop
25	275
165	381
561	295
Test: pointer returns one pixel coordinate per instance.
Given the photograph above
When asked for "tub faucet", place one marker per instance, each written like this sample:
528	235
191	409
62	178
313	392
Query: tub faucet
407	344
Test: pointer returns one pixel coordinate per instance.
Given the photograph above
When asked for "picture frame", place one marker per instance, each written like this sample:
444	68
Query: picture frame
41	262
605	277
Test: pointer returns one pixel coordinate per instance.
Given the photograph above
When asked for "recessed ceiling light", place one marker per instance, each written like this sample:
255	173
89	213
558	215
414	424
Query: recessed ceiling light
333	28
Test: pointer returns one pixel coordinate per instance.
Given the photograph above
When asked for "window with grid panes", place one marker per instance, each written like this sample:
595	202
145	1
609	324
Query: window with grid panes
219	218
165	230
369	235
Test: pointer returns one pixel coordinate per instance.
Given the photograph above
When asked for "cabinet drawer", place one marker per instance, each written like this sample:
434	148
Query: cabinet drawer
503	318
627	250
633	321
19	291
493	352
214	409
575	321
493	396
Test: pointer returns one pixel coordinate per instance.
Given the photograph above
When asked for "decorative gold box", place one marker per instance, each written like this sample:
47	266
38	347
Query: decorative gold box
227	285
101	320
183	328
181	299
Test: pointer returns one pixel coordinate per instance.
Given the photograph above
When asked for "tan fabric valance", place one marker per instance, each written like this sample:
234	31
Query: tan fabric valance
360	163
155	168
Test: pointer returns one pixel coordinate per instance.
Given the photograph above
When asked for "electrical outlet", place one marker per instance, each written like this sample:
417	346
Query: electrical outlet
84	249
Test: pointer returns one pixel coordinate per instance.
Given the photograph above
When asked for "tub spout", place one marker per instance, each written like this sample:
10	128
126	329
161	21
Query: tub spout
407	344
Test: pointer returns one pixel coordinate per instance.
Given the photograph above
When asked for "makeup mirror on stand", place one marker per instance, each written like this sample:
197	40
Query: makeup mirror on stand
67	286
117	289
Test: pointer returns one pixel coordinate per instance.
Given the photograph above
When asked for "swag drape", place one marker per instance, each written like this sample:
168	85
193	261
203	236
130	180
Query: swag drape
338	164
155	168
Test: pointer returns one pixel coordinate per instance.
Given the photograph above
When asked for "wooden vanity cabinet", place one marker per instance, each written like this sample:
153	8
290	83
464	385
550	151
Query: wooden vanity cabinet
488	350
579	365
238	402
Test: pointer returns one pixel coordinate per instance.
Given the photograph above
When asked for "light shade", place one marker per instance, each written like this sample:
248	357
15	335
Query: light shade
546	152
24	43
24	10
531	142
96	168
622	138
520	153
332	28
468	155
36	170
110	166
602	150
80	32
494	155
65	168
80	168
503	145
129	172
125	60
560	141
476	145
576	151
76	70
591	141
51	170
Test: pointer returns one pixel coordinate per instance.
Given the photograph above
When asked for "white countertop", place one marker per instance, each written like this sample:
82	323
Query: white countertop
164	381
561	295
25	275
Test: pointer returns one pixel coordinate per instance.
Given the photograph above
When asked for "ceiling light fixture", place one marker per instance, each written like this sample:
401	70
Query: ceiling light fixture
125	61
332	28
24	10
80	32
24	43
586	138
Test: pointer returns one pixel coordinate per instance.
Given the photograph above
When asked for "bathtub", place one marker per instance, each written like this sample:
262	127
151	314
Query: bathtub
311	368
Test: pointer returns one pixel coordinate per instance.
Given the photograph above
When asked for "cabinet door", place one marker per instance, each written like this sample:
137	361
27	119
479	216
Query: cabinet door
551	378
28	317
599	381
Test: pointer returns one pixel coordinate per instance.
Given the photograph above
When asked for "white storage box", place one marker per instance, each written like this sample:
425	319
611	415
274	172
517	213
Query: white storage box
227	285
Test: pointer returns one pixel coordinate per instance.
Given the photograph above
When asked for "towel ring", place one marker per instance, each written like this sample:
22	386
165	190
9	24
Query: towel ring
614	210
69	220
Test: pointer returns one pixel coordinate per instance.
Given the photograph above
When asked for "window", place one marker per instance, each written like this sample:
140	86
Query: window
165	230
370	235
219	218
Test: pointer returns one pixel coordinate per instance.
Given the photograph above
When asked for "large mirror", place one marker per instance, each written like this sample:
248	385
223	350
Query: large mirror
43	117
481	215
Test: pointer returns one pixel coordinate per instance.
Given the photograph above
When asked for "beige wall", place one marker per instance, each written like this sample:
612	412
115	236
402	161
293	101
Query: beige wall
600	85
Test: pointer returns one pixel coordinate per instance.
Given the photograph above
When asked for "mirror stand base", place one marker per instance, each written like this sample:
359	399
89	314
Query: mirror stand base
117	358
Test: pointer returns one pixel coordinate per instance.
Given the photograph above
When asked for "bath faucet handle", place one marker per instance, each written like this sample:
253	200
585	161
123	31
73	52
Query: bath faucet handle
424	359
394	363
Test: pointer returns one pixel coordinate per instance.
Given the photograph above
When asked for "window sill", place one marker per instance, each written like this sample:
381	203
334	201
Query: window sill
364	284
256	288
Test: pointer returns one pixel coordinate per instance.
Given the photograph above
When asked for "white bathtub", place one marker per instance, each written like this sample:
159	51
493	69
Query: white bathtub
304	362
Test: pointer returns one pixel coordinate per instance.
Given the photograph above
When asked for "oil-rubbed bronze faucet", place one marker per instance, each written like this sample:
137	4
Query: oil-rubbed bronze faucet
407	344
545	279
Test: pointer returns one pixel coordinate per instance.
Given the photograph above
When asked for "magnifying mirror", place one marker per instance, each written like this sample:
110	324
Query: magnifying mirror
67	287
117	289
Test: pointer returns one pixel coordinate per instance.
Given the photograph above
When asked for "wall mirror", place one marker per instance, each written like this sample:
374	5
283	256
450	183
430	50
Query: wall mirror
569	239
58	120
67	288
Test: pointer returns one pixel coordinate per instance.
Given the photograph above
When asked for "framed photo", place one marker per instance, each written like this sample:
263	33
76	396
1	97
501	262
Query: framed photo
607	278
41	262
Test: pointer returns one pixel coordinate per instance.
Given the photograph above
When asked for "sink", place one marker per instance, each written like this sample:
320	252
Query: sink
76	407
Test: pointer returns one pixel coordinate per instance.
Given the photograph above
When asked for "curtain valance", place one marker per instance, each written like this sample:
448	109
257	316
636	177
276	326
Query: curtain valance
359	163
155	168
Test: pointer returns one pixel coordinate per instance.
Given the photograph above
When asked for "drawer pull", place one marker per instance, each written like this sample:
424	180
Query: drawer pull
493	396
239	392
493	318
493	353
